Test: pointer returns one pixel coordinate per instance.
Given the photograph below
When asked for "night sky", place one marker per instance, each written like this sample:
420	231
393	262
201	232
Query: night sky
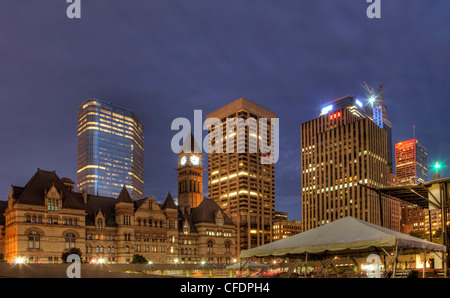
163	59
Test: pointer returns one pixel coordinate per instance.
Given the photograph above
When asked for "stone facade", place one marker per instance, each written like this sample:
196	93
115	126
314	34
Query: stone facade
46	217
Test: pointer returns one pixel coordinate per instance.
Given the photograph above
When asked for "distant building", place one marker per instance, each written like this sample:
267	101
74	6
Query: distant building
285	228
411	168
110	150
46	217
279	216
411	162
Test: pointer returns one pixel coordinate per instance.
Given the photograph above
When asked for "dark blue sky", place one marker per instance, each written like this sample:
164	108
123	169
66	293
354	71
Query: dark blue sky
163	59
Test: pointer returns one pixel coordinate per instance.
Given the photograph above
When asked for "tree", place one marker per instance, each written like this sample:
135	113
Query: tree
139	259
417	234
73	250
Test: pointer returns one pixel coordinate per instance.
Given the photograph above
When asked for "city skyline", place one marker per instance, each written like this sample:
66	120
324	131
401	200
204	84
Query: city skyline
196	56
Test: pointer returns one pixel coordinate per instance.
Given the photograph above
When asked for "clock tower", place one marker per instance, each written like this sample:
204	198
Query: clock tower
190	174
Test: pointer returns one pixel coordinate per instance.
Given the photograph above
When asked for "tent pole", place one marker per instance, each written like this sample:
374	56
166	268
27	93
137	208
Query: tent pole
424	263
306	263
394	272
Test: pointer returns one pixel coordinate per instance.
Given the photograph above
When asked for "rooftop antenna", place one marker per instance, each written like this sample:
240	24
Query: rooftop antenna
414	131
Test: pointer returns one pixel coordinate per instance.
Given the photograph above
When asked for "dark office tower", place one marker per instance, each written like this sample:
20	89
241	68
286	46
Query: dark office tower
341	153
411	162
110	150
240	183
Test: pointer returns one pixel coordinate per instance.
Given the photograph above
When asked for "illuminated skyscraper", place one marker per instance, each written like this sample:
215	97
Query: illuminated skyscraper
373	108
411	168
240	184
411	162
110	150
342	152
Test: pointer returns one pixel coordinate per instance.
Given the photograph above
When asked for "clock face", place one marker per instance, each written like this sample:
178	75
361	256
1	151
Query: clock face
195	160
183	160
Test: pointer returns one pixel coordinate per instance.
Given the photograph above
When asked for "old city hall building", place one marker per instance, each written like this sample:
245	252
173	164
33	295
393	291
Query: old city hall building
47	217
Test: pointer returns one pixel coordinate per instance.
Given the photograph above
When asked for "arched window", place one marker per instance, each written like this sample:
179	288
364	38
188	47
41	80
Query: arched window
70	240
150	223
40	219
28	218
210	246
34	240
99	223
34	218
127	249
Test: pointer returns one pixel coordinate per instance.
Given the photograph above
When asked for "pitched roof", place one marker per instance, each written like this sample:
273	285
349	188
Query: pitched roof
106	205
190	145
206	212
169	203
34	191
183	217
124	196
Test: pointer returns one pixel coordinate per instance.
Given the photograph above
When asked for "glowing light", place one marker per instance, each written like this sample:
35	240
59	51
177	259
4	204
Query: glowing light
335	115
358	103
437	166
326	109
101	261
20	260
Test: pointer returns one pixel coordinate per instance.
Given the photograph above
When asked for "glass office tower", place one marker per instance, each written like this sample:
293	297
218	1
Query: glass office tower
110	150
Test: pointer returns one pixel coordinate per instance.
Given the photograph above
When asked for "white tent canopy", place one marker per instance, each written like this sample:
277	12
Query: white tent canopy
347	235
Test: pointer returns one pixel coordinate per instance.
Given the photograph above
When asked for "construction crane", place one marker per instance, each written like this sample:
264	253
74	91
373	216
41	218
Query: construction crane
373	96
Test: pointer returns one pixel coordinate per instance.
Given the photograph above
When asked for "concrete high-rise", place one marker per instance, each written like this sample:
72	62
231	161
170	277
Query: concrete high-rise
342	150
110	150
240	184
373	108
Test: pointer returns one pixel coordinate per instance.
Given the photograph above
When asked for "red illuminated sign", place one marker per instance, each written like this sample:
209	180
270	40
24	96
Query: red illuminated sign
335	115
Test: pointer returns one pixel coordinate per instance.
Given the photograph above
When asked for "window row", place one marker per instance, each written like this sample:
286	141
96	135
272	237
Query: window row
51	220
34	240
